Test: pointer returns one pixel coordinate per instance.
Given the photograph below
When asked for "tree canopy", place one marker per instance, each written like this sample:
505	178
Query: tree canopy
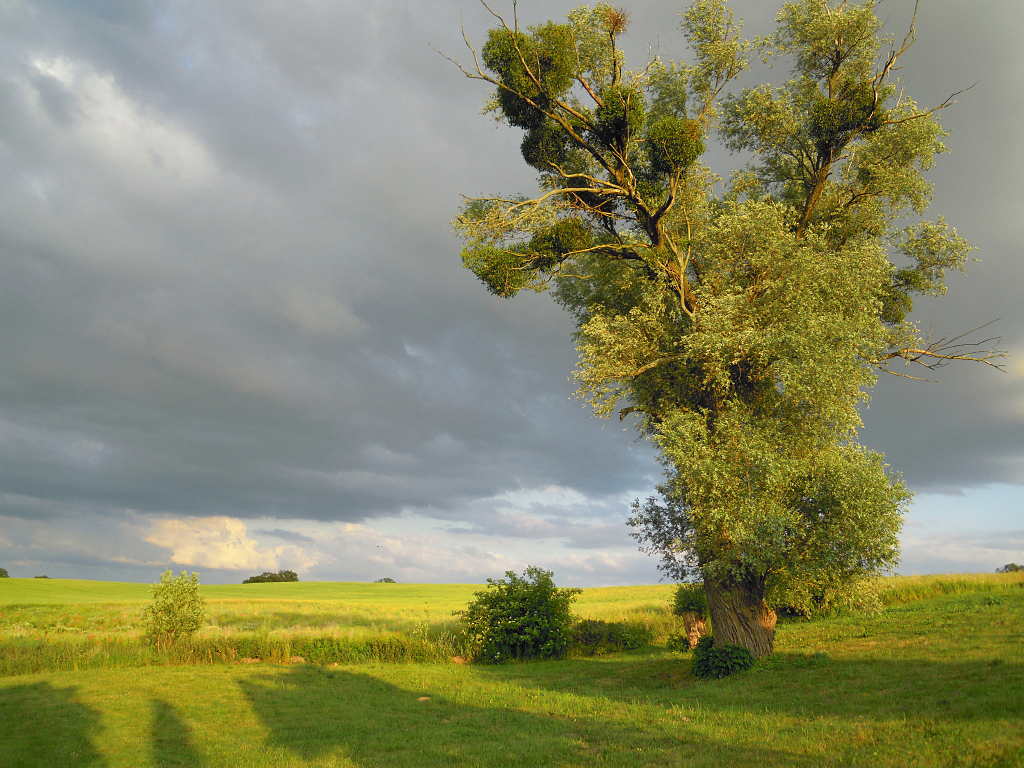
743	321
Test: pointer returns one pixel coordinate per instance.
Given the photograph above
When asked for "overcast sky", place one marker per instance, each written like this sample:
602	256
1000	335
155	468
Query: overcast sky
236	335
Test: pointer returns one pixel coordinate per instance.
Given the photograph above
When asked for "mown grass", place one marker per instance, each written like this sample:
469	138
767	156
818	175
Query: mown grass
935	682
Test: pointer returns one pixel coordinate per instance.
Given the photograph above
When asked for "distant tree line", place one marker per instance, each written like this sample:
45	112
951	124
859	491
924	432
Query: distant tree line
267	576
1010	568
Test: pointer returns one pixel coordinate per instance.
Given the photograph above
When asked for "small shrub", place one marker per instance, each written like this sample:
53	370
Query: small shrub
40	577
177	609
385	580
690	598
267	577
711	662
593	637
516	618
4	574
678	642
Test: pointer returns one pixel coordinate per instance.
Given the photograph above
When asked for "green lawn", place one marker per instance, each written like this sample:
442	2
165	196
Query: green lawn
934	682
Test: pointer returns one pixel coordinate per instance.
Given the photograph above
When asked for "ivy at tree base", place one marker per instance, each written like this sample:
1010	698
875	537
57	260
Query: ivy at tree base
711	662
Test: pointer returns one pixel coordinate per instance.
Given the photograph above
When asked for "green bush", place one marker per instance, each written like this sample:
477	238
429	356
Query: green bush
1008	568
385	580
592	636
177	609
516	618
712	662
678	642
690	598
4	574
267	577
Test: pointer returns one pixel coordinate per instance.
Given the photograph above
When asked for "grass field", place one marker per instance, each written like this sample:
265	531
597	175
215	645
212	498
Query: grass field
34	607
936	679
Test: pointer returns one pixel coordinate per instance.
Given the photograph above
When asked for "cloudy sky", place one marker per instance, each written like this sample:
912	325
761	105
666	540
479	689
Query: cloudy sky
236	335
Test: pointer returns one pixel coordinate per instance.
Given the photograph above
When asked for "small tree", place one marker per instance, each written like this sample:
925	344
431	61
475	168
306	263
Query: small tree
1010	568
4	574
520	617
690	598
177	609
267	577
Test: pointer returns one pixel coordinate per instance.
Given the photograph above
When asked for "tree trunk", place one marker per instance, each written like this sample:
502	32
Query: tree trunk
740	617
696	627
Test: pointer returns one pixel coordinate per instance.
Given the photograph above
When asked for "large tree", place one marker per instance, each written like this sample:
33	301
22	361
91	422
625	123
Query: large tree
744	322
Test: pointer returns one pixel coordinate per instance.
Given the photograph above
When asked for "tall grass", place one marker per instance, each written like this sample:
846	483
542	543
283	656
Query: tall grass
20	656
896	590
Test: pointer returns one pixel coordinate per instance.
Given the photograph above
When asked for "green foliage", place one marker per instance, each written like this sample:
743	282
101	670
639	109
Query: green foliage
712	662
385	580
619	115
690	598
520	617
673	144
268	577
40	577
1010	568
4	574
533	67
545	145
177	610
835	119
593	637
823	594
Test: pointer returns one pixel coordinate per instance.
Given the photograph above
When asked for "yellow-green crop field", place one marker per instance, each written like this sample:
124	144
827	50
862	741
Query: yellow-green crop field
65	607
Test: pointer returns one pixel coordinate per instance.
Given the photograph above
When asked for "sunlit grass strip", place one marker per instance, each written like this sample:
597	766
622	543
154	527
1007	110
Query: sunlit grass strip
20	656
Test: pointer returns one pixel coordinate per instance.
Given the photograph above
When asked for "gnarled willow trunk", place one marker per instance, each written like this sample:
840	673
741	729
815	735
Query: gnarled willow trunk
739	615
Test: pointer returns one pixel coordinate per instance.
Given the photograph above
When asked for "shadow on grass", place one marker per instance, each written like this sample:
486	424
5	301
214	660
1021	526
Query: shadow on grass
313	712
41	725
172	738
794	684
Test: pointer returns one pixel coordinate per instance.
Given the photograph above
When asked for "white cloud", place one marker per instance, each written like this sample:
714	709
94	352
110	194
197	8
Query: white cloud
137	148
959	553
222	542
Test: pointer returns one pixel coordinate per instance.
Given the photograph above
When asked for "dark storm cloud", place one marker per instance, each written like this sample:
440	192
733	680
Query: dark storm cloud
228	285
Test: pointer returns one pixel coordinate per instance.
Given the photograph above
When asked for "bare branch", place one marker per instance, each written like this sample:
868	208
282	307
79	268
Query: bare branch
939	353
655	364
950	101
905	375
